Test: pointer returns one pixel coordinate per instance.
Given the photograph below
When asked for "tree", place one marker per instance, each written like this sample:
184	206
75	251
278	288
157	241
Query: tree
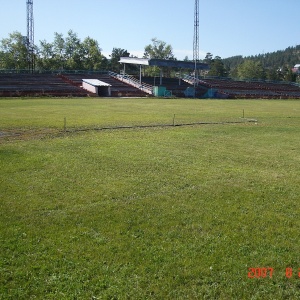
115	56
250	69
93	59
273	74
70	53
74	51
2	59
208	58
14	53
288	75
59	50
272	62
217	67
46	57
158	49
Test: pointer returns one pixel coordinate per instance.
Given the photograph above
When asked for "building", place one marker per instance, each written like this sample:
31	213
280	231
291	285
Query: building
296	69
97	87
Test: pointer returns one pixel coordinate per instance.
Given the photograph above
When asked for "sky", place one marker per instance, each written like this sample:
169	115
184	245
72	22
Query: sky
226	27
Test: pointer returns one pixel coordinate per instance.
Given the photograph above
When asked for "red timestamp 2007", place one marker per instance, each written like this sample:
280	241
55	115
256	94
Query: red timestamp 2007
268	272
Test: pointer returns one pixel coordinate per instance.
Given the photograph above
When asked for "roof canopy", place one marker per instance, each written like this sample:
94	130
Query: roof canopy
163	63
95	82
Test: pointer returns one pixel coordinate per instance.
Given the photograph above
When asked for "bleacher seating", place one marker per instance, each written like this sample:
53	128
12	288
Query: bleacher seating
176	86
14	85
118	88
64	85
252	89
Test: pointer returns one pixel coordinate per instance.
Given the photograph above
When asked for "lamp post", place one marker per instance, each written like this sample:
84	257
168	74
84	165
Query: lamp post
196	42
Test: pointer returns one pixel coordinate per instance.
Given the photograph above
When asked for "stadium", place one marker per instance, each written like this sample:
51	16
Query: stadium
70	84
189	78
148	178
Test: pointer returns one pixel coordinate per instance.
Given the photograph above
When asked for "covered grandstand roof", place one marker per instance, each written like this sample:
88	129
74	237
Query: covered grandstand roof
163	63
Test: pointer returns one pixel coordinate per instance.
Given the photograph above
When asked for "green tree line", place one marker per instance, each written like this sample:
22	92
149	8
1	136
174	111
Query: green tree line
275	66
271	66
63	53
71	53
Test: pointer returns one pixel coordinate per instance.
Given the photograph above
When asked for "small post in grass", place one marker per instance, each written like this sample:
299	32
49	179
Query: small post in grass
65	123
174	120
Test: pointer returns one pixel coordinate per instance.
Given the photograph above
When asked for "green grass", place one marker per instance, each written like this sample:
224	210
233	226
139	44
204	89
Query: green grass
95	112
157	213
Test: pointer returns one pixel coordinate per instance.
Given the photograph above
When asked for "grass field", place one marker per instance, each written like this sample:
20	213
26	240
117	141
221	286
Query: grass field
149	213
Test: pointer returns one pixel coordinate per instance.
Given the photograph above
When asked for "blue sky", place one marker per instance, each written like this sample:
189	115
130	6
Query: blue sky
227	27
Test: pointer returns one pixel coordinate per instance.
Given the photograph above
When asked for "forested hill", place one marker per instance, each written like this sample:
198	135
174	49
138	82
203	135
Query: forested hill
279	59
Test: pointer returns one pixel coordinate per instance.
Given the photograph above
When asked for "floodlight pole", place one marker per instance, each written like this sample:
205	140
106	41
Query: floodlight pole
30	35
196	41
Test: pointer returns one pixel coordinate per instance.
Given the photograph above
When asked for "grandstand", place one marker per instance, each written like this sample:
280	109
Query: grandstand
176	86
118	88
14	85
62	85
226	88
70	85
229	88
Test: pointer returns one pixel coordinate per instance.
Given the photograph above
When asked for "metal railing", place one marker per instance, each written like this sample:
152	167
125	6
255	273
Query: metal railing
131	80
192	80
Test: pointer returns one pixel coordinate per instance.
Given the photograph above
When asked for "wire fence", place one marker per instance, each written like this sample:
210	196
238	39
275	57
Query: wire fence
174	123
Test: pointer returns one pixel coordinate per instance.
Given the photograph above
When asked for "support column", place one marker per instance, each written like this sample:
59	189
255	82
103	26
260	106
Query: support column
140	74
180	77
160	76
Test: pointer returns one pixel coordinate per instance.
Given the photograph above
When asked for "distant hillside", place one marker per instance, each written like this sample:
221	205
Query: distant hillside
274	60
